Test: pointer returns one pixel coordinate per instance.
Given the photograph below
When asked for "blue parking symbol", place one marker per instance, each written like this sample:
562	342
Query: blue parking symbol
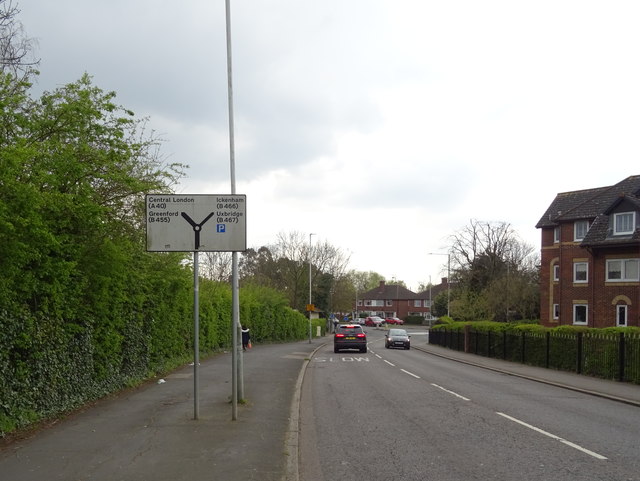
221	228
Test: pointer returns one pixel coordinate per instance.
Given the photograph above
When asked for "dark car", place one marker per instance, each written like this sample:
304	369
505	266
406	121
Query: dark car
397	338
349	336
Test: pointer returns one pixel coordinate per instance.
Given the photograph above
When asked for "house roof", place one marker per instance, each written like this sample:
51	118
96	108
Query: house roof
435	290
595	205
384	291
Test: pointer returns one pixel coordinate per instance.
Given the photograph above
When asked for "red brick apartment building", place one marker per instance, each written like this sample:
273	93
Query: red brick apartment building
590	271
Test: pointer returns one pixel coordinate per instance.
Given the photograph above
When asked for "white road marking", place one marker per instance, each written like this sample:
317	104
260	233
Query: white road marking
451	392
378	356
390	363
410	373
553	436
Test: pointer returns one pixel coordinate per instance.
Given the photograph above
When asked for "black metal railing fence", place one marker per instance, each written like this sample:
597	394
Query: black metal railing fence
604	355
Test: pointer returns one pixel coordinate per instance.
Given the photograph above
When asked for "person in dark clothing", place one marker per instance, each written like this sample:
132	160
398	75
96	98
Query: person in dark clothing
246	338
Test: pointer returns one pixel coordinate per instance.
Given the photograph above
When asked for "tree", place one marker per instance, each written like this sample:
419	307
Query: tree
15	47
493	269
216	266
74	168
287	264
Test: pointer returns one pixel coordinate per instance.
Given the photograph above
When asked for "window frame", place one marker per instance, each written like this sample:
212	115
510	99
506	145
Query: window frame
580	225
556	234
623	270
575	272
625	308
619	215
556	311
556	272
586	314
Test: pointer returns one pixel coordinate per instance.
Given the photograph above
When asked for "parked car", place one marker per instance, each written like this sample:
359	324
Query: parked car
394	320
374	321
349	336
397	338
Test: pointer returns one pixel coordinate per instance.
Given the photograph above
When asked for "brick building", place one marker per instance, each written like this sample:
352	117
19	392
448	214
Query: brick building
395	300
590	258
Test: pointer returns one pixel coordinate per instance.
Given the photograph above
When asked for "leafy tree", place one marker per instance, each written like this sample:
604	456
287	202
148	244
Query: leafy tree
73	178
440	304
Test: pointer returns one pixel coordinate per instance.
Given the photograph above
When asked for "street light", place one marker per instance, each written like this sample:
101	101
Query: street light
310	286
448	254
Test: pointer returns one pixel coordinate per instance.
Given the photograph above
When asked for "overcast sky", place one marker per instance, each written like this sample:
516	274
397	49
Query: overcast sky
382	126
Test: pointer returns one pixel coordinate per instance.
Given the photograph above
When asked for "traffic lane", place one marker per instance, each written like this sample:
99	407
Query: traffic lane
369	419
592	425
549	406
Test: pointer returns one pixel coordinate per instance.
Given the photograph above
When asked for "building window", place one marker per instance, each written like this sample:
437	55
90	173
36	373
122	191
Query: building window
360	302
417	303
580	314
367	302
556	272
623	270
621	315
556	234
377	303
389	302
427	303
556	311
580	271
624	223
580	229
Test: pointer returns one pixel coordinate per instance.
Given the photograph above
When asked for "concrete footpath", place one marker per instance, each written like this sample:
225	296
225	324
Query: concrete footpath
614	390
149	433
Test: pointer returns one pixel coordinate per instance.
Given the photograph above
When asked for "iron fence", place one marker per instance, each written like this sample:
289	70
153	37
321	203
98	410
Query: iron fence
604	355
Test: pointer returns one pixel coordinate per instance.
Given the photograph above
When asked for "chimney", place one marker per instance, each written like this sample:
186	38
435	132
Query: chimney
444	281
381	284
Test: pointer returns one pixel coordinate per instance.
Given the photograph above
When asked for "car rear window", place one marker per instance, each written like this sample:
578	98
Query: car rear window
350	329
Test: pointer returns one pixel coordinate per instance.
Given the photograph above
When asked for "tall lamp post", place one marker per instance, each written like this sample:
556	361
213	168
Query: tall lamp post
448	254
310	286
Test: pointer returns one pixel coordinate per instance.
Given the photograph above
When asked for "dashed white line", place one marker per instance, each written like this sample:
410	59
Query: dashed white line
451	392
379	356
390	363
553	436
410	374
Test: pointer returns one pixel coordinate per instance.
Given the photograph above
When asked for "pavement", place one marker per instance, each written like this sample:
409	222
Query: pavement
149	433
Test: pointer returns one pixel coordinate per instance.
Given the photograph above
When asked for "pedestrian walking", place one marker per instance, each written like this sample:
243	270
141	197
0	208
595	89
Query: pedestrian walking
246	339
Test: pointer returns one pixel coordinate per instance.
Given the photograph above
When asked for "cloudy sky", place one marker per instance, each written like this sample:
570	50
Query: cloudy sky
382	126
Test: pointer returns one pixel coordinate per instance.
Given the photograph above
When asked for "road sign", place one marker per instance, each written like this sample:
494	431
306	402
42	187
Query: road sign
196	222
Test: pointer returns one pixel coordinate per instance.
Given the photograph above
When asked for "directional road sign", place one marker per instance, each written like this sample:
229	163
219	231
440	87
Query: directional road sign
197	222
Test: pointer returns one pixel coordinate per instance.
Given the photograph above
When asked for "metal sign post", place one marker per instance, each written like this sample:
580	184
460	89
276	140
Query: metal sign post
196	337
198	223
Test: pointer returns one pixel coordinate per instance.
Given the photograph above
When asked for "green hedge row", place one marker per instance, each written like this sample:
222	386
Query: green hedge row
48	366
610	353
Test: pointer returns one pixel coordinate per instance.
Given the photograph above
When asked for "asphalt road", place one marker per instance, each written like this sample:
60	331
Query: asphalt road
408	415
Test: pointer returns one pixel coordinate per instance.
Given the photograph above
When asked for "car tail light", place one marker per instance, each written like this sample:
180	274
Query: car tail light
339	335
361	335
